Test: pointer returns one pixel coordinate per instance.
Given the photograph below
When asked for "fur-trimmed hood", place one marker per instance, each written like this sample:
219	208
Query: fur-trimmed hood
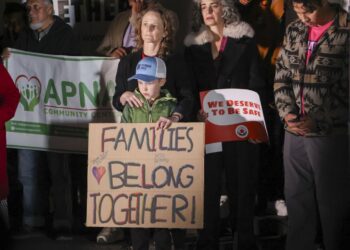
236	30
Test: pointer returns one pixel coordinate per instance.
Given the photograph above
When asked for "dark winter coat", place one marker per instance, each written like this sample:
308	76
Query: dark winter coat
240	65
60	40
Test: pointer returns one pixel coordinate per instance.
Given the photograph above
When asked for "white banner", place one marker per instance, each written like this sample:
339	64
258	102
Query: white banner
60	96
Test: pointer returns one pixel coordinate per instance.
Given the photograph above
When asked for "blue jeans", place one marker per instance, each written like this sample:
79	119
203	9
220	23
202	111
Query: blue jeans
32	176
61	189
36	171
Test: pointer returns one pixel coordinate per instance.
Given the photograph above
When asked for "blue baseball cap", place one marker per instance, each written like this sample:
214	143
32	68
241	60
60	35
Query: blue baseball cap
149	69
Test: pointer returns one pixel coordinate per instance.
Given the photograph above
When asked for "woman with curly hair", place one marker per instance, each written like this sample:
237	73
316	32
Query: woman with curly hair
221	53
155	35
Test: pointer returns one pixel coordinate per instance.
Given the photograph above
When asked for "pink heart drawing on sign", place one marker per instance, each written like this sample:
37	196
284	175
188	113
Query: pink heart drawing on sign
98	173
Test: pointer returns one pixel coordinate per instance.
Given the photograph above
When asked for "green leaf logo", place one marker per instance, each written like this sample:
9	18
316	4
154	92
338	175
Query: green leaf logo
30	89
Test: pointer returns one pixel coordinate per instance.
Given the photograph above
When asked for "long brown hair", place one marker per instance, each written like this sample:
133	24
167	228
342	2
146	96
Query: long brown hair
167	44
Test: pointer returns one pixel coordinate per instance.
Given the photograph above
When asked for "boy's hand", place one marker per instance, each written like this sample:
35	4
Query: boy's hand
129	97
163	123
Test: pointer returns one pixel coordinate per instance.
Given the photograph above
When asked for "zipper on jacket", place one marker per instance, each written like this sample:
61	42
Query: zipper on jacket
149	112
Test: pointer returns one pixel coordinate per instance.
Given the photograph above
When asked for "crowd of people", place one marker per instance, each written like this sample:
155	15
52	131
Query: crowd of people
301	78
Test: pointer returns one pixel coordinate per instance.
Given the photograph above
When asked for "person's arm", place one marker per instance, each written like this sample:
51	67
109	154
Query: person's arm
118	53
283	90
22	40
257	80
114	36
61	40
124	91
121	81
9	96
74	45
20	43
284	96
196	112
112	43
183	90
257	77
300	125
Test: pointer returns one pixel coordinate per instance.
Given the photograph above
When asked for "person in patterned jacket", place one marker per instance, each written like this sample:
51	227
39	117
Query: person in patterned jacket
312	96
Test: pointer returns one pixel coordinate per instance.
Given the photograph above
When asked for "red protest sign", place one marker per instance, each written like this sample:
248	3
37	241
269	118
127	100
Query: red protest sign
233	115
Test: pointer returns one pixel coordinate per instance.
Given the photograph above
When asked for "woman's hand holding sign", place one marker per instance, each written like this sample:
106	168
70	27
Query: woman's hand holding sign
202	116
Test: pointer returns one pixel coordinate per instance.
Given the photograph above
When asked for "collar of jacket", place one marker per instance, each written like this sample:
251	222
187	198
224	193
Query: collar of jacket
235	30
164	96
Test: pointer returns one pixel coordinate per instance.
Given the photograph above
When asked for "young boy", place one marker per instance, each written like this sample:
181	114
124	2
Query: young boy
158	104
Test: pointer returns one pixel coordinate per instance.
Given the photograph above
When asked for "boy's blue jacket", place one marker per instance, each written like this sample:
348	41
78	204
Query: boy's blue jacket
163	106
